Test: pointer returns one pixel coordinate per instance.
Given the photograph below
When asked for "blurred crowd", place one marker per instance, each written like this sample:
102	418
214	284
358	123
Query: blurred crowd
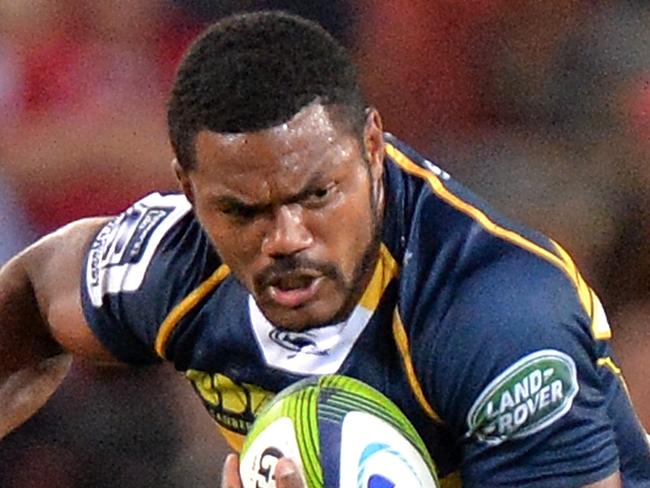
542	107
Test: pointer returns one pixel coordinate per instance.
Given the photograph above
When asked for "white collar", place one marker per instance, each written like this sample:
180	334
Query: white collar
321	350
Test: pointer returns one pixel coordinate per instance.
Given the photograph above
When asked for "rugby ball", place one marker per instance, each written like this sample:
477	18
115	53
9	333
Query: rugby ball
341	433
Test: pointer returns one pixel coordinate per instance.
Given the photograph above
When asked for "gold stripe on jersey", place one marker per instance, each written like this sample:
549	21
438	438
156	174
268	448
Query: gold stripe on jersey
563	261
599	326
401	339
234	440
609	363
385	270
583	290
185	306
452	480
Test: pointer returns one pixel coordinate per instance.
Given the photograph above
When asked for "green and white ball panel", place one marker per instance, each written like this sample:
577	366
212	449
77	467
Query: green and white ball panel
342	433
276	440
341	395
295	410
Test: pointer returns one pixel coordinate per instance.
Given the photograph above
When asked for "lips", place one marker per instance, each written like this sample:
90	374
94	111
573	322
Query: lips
293	290
292	281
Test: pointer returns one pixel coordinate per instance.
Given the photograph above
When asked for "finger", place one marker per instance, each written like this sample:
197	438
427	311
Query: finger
230	475
286	474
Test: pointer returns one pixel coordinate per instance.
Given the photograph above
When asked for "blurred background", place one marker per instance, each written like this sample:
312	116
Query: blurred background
542	107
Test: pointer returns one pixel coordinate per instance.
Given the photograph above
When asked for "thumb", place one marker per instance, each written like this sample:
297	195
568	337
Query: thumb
287	475
230	474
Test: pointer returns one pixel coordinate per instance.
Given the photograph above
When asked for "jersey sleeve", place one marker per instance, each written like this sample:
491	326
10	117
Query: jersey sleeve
513	370
137	267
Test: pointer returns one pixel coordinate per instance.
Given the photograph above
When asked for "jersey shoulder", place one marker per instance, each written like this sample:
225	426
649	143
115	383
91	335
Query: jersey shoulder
465	262
139	266
448	240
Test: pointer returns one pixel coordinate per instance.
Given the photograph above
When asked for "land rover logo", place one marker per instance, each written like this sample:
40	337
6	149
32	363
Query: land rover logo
528	396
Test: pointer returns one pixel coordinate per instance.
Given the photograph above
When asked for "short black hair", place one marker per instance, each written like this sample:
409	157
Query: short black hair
253	71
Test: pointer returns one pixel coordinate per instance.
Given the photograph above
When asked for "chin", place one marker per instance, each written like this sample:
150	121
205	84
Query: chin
302	318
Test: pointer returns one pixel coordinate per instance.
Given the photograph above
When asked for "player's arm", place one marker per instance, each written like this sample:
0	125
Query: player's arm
41	321
520	414
613	481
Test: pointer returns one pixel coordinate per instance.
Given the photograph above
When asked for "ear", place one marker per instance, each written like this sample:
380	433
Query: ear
183	180
373	141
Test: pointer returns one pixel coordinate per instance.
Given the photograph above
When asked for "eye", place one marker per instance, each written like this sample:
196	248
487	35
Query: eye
321	192
240	213
319	196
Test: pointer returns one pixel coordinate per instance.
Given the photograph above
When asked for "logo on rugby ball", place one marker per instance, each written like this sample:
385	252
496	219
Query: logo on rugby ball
266	465
374	454
257	463
531	394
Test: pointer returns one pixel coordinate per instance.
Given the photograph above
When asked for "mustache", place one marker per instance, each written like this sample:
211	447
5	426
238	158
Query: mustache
293	264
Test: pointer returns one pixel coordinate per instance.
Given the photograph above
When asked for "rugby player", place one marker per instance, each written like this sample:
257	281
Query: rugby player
306	241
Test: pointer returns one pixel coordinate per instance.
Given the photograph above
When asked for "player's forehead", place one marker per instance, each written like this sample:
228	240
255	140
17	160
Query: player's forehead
311	144
312	126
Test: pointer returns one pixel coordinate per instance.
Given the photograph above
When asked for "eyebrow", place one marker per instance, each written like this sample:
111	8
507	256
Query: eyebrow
234	202
227	201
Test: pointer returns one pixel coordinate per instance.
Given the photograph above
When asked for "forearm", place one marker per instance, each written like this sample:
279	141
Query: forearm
41	321
32	364
24	392
24	336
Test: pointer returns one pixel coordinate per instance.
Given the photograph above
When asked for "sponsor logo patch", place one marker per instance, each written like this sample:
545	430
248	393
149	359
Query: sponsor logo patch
122	251
233	405
296	342
531	394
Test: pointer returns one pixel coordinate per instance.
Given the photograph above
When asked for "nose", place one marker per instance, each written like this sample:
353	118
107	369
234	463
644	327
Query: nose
289	234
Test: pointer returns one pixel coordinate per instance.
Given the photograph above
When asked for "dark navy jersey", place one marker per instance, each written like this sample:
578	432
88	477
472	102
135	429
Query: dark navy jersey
482	331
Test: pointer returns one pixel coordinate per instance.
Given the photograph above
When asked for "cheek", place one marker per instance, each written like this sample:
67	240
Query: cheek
347	232
236	246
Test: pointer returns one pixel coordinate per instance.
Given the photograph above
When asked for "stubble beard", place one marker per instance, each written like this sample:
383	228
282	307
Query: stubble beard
365	269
